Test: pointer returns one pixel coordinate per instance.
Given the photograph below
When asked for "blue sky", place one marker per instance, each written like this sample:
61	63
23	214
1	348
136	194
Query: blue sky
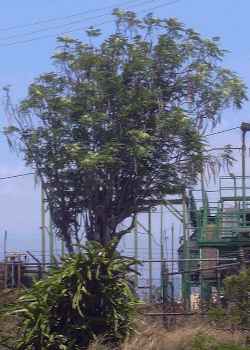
20	63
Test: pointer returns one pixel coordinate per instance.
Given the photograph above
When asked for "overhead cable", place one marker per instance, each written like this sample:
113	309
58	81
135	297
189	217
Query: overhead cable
87	27
63	18
14	176
222	131
63	25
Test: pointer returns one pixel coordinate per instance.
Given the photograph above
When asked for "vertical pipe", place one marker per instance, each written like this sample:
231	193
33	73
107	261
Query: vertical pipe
172	270
13	274
136	252
203	189
6	271
162	249
165	292
244	175
204	205
186	276
172	247
43	238
5	244
161	235
235	191
19	274
51	240
202	221
150	257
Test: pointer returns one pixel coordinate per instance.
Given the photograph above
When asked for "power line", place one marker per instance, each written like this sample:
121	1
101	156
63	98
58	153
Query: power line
222	131
134	4
14	176
63	18
87	27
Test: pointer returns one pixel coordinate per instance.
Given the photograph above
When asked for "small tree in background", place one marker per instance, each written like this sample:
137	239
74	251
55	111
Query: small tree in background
237	294
118	126
235	311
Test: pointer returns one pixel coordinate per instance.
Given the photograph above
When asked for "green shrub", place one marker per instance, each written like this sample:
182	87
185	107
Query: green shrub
236	313
90	296
218	316
237	293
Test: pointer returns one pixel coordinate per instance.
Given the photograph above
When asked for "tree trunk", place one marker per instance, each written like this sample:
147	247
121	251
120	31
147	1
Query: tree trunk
98	230
68	241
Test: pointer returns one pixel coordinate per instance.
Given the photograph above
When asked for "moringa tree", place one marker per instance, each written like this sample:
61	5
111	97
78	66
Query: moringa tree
119	125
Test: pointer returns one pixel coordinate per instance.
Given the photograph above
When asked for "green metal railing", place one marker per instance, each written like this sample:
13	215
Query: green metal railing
224	224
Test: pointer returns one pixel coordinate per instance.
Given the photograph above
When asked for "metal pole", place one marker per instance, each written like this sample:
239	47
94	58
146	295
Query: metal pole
150	258
186	277
5	244
162	249
202	231
172	247
172	270
165	292
51	240
244	175
203	189
161	235
136	252
43	238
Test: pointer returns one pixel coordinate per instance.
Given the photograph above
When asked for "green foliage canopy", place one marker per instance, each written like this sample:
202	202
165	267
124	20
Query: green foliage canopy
118	125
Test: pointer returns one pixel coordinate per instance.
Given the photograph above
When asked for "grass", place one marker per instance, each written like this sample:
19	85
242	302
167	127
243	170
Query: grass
151	335
189	337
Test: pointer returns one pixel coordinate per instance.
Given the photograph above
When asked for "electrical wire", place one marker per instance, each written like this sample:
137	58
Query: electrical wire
134	4
222	131
63	18
87	27
14	176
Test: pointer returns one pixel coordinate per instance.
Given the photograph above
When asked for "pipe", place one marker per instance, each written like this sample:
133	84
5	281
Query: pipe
150	257
43	238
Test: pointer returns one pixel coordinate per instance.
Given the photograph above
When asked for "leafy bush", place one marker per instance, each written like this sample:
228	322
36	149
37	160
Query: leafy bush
217	315
90	296
237	293
236	313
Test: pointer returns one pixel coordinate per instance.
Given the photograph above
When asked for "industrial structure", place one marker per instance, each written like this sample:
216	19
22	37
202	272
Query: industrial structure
219	241
215	240
214	243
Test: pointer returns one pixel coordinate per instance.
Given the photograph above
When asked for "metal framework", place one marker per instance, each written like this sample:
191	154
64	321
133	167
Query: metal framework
221	234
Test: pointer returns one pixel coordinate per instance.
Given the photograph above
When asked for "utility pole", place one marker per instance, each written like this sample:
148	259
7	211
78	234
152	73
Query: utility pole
245	127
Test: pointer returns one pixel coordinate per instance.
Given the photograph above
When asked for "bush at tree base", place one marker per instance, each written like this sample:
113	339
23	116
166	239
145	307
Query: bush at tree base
90	296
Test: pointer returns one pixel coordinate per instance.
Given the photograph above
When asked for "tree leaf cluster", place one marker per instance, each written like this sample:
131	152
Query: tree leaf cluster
118	124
